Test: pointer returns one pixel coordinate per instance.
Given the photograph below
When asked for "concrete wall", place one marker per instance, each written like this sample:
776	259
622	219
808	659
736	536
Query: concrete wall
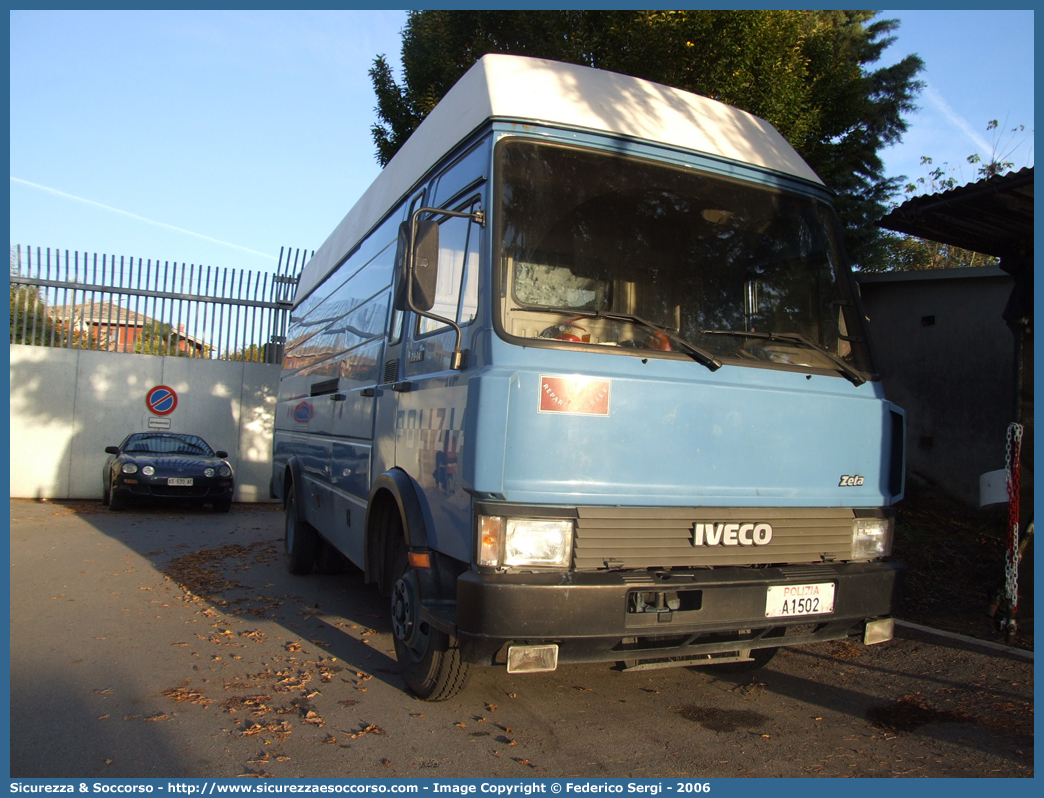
947	357
68	405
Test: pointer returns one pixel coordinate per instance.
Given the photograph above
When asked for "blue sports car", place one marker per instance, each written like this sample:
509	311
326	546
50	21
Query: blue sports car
167	465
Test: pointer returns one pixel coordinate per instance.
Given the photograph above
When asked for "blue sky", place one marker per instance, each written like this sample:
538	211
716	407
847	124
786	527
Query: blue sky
218	137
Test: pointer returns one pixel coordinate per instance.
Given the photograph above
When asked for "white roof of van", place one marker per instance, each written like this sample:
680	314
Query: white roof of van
516	88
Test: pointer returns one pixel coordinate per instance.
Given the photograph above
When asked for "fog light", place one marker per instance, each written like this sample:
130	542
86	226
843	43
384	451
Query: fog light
880	631
871	538
532	659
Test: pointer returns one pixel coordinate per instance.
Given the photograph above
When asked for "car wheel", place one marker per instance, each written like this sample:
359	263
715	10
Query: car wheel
222	505
300	539
429	658
116	500
105	492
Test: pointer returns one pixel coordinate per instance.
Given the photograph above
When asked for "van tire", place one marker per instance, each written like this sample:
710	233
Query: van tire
300	540
430	659
329	560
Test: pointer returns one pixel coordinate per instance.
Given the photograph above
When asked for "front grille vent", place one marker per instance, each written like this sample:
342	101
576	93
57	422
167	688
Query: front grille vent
391	370
662	537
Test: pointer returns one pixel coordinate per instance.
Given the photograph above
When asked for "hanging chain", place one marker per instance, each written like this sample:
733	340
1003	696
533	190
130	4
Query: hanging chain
1013	468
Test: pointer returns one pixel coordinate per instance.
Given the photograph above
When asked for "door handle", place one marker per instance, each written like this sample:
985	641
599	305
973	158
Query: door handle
402	387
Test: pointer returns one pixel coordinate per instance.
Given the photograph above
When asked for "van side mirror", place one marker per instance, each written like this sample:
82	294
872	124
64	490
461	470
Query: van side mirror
425	264
417	271
423	277
112	450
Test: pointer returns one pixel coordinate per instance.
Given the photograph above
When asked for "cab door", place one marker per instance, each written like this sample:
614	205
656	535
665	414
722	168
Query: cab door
432	402
391	381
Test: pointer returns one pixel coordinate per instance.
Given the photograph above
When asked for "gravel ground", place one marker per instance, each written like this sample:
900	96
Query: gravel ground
172	643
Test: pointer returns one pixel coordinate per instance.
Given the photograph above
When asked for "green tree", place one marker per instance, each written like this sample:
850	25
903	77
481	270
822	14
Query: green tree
809	73
251	354
997	163
30	322
156	338
903	253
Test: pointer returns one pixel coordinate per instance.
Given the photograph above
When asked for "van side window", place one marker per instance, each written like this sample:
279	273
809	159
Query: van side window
456	294
470	168
396	316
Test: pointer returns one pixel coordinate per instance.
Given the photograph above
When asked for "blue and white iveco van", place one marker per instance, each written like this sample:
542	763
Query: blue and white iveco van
583	377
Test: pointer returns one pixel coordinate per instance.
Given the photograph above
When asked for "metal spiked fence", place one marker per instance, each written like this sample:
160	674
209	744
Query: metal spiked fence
124	304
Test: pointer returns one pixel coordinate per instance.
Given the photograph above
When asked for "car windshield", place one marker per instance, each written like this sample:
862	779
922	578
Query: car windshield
167	444
598	249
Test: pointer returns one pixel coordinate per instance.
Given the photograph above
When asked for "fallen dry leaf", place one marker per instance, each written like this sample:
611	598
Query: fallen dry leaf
180	695
373	728
282	728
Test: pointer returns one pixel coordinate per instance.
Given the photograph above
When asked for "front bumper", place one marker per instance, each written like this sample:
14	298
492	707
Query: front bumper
592	616
157	488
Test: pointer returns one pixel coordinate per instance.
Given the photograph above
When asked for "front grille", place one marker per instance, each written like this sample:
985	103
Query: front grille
615	537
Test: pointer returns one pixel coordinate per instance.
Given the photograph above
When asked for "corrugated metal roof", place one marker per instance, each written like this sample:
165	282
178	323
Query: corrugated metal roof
993	216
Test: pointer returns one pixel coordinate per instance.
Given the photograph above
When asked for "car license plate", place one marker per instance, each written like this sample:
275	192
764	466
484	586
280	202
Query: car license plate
785	601
186	481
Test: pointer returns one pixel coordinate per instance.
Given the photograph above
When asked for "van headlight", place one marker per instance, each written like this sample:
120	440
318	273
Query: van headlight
521	542
872	538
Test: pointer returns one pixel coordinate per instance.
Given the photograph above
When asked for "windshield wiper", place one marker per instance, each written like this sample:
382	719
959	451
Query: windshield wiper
701	356
850	373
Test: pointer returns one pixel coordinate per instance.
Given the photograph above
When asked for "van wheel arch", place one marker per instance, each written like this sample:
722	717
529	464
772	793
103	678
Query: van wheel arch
392	492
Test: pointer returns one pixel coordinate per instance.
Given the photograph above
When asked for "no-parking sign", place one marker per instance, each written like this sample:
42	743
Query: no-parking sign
161	400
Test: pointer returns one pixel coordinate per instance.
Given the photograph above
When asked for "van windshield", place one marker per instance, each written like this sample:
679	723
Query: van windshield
603	250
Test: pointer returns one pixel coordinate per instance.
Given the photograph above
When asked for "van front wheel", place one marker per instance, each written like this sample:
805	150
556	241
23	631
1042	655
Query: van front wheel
429	658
